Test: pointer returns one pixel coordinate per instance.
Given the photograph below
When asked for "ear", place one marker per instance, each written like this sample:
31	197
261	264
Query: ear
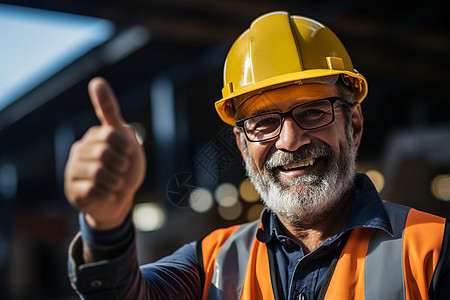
237	133
357	120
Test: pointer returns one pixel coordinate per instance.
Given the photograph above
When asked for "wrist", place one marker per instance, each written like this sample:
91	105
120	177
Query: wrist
98	225
102	240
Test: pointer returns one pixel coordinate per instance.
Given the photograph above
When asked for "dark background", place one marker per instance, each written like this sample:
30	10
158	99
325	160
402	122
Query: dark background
402	47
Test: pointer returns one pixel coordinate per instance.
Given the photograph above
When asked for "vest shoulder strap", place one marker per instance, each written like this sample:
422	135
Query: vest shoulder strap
376	265
423	237
226	251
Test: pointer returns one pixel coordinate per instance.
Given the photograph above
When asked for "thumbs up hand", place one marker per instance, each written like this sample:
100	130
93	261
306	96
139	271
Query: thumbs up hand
107	166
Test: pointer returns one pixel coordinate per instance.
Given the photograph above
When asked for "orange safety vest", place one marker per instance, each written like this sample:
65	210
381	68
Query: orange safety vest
372	265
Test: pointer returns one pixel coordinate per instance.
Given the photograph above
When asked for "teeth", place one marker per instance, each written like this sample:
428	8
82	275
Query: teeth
299	164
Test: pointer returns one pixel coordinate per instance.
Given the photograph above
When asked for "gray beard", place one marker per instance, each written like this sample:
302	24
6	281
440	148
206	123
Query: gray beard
307	198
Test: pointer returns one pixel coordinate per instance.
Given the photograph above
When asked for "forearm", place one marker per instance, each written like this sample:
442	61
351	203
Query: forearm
114	273
101	245
109	274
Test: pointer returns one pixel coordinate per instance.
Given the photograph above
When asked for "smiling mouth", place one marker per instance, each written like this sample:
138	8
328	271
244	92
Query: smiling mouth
299	164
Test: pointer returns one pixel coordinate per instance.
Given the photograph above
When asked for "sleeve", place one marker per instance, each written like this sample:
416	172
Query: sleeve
173	277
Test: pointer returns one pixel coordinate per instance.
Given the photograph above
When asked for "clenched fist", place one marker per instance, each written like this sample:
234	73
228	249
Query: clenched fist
107	166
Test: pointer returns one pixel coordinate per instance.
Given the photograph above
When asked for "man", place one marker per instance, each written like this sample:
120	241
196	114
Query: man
293	97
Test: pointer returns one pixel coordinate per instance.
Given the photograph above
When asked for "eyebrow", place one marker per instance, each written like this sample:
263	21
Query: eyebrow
273	109
257	112
265	111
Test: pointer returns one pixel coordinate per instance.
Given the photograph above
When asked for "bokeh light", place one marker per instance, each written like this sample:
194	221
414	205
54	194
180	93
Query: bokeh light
377	179
248	192
201	200
254	212
148	216
440	187
226	194
232	212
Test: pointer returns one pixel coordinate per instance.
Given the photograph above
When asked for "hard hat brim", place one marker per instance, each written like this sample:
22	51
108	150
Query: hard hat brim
227	110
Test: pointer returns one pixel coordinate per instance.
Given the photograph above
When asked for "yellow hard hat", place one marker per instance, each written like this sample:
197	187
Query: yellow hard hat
278	50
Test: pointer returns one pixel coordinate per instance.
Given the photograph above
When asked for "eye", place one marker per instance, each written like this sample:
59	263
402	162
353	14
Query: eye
314	114
264	123
310	114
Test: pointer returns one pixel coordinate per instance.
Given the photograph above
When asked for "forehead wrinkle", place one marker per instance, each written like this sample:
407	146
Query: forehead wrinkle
283	99
271	105
257	105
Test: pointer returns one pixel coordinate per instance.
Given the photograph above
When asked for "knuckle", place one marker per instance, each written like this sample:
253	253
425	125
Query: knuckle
114	160
101	152
93	192
93	130
97	171
118	139
109	134
122	166
79	202
90	135
118	182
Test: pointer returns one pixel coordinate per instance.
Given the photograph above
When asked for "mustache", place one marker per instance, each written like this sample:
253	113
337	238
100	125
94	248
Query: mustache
280	158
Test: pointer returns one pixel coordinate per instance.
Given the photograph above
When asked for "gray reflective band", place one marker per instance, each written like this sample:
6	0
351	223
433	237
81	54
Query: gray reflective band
231	263
383	270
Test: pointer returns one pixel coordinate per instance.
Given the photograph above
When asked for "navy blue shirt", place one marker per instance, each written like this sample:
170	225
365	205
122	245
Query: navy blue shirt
304	274
177	276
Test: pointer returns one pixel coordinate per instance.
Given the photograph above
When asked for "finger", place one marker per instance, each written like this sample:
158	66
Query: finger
104	102
108	146
84	193
113	159
100	175
107	136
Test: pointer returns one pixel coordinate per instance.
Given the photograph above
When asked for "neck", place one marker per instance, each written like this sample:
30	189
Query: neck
311	234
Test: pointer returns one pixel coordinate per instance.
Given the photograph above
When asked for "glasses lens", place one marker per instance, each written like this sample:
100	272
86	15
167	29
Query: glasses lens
262	127
313	115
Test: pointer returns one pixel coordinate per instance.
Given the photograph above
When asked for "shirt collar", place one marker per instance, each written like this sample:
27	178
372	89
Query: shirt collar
367	211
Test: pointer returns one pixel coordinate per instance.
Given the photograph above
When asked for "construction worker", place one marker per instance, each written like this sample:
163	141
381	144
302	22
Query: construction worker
293	97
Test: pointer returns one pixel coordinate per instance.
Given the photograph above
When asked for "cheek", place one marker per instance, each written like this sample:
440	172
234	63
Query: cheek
337	138
258	153
334	137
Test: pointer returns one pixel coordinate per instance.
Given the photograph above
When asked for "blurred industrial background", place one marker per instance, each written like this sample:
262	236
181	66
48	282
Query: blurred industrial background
164	59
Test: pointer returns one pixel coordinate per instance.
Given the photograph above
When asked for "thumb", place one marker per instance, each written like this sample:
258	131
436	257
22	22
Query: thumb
105	103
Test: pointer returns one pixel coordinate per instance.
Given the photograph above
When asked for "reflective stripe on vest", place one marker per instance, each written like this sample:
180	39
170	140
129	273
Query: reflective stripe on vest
372	265
231	264
233	276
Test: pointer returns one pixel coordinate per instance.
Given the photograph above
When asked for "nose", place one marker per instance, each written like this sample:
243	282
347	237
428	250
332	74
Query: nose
292	136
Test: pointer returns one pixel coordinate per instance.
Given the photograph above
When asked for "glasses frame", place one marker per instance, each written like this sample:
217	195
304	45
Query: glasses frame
283	116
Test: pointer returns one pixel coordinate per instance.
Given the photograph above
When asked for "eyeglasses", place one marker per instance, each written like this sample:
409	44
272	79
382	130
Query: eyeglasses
308	116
